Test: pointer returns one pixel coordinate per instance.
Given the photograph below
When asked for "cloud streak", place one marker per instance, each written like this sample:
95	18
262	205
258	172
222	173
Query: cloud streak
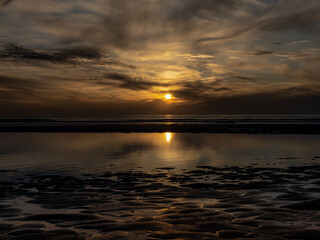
14	51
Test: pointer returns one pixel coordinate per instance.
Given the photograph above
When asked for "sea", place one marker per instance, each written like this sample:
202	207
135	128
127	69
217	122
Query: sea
92	152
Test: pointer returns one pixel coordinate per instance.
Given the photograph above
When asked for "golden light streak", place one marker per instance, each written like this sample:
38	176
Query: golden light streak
168	136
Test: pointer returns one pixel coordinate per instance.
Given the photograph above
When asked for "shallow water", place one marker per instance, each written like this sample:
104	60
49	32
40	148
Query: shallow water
180	186
100	152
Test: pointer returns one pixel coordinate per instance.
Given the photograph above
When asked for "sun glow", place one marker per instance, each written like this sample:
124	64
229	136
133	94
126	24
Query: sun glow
168	96
168	136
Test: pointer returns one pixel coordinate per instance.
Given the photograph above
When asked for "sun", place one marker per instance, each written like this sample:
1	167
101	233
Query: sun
168	96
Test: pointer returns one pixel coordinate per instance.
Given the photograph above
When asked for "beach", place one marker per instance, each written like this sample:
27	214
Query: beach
183	184
205	203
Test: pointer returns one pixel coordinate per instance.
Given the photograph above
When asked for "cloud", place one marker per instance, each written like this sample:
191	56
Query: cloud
276	16
291	43
123	25
119	64
305	15
186	11
4	2
305	70
204	52
69	55
198	90
244	78
125	81
262	52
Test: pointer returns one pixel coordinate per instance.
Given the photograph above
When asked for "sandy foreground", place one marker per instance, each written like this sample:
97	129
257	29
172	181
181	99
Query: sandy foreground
204	203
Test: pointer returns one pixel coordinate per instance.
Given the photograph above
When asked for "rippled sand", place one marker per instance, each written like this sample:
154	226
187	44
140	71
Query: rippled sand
206	203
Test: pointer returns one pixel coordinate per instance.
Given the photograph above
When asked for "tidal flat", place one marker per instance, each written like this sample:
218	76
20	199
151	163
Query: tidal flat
204	203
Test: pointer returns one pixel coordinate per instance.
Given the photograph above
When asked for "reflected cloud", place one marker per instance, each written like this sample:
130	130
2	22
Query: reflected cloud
128	149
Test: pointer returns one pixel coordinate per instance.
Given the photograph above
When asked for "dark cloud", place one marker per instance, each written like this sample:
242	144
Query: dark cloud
198	90
262	52
120	64
128	82
81	52
244	78
4	2
69	55
290	43
302	90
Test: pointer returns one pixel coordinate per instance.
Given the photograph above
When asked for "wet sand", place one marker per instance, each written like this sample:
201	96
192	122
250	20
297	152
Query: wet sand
203	203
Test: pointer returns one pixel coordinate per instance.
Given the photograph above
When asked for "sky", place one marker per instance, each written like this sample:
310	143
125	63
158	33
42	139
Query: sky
103	57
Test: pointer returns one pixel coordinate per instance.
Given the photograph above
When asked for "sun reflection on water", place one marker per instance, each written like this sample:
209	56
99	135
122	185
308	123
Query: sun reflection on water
168	137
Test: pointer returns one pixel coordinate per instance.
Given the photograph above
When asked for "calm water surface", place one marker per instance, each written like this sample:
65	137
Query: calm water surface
99	152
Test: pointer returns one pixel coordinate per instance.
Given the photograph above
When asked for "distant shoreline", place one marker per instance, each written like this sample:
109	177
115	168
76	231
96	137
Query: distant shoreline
252	128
